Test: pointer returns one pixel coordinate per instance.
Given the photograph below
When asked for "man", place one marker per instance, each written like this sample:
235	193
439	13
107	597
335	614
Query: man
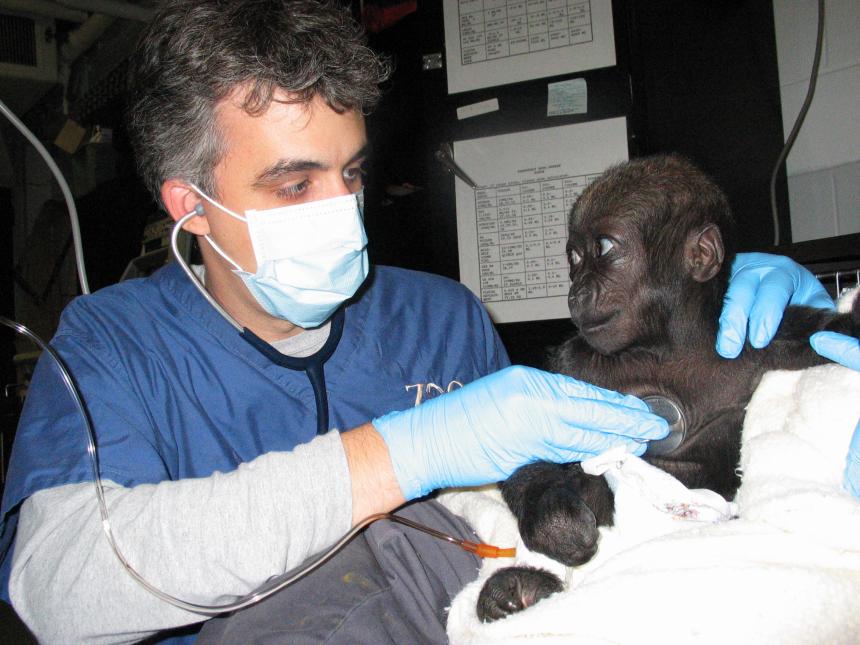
218	449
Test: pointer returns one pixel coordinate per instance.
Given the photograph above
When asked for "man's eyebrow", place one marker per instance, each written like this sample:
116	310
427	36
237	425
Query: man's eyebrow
288	166
285	167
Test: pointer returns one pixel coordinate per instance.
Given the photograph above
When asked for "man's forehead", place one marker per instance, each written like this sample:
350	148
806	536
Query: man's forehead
286	117
288	137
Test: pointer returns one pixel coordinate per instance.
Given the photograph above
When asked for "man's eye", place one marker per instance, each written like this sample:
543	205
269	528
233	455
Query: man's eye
292	191
575	258
354	173
604	245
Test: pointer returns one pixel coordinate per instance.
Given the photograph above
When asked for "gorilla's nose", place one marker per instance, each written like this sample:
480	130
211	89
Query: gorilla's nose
578	296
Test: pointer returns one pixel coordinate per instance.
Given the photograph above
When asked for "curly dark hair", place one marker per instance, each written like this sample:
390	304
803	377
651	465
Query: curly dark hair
196	52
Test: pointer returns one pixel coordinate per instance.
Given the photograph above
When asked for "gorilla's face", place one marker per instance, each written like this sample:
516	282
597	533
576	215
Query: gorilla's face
611	299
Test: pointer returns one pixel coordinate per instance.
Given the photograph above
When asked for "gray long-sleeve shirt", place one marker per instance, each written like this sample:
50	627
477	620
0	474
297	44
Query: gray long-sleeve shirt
206	540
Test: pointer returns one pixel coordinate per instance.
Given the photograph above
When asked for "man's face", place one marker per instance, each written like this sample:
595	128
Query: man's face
292	153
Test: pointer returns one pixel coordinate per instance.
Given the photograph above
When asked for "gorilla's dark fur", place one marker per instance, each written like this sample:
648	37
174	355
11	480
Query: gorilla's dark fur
650	248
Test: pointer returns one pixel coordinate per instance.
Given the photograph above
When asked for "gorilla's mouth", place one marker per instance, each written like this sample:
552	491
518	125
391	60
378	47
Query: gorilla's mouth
593	324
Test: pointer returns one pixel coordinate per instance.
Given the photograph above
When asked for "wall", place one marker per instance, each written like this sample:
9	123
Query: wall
824	164
706	84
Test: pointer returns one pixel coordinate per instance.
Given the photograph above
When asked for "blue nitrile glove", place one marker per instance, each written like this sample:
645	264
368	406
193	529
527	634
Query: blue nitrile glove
485	430
845	350
760	288
837	347
852	465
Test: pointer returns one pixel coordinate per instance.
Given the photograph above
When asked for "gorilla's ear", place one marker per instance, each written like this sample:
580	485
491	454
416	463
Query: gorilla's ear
704	253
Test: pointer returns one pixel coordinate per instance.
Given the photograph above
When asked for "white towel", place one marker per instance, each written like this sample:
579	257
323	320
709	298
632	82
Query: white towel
786	570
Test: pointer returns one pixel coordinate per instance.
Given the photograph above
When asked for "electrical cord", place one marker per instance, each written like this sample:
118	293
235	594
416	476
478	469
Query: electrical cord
801	117
64	187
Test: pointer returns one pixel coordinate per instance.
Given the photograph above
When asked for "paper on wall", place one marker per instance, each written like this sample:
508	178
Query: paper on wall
495	42
567	97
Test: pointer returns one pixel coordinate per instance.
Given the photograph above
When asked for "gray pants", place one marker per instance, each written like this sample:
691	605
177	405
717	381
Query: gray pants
391	584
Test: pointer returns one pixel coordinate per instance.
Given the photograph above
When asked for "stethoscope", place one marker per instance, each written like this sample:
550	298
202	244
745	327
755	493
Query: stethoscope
313	366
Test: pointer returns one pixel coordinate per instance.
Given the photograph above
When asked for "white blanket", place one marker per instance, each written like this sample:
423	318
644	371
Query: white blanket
786	570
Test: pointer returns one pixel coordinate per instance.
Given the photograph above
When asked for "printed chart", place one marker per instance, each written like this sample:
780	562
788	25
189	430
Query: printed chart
495	42
492	29
522	232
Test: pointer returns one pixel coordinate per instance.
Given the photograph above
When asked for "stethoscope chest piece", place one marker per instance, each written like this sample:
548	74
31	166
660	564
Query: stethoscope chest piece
670	411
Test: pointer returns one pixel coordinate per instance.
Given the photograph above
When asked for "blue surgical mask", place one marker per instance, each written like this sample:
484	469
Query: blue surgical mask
310	257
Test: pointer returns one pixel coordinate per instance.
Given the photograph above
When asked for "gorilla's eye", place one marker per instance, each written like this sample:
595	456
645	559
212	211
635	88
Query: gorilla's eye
604	245
575	258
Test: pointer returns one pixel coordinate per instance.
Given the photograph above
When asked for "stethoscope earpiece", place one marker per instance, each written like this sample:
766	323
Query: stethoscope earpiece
196	211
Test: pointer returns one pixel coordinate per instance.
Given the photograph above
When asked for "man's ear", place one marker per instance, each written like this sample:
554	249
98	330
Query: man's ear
704	253
179	200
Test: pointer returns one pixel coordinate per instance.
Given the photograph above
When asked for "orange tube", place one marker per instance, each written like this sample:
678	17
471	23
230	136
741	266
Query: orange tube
488	550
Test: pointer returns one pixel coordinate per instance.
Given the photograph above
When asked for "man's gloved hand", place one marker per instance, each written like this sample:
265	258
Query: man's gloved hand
837	347
846	351
485	430
852	465
760	288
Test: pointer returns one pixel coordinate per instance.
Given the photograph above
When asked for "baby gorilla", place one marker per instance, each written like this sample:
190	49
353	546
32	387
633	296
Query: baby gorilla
650	247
